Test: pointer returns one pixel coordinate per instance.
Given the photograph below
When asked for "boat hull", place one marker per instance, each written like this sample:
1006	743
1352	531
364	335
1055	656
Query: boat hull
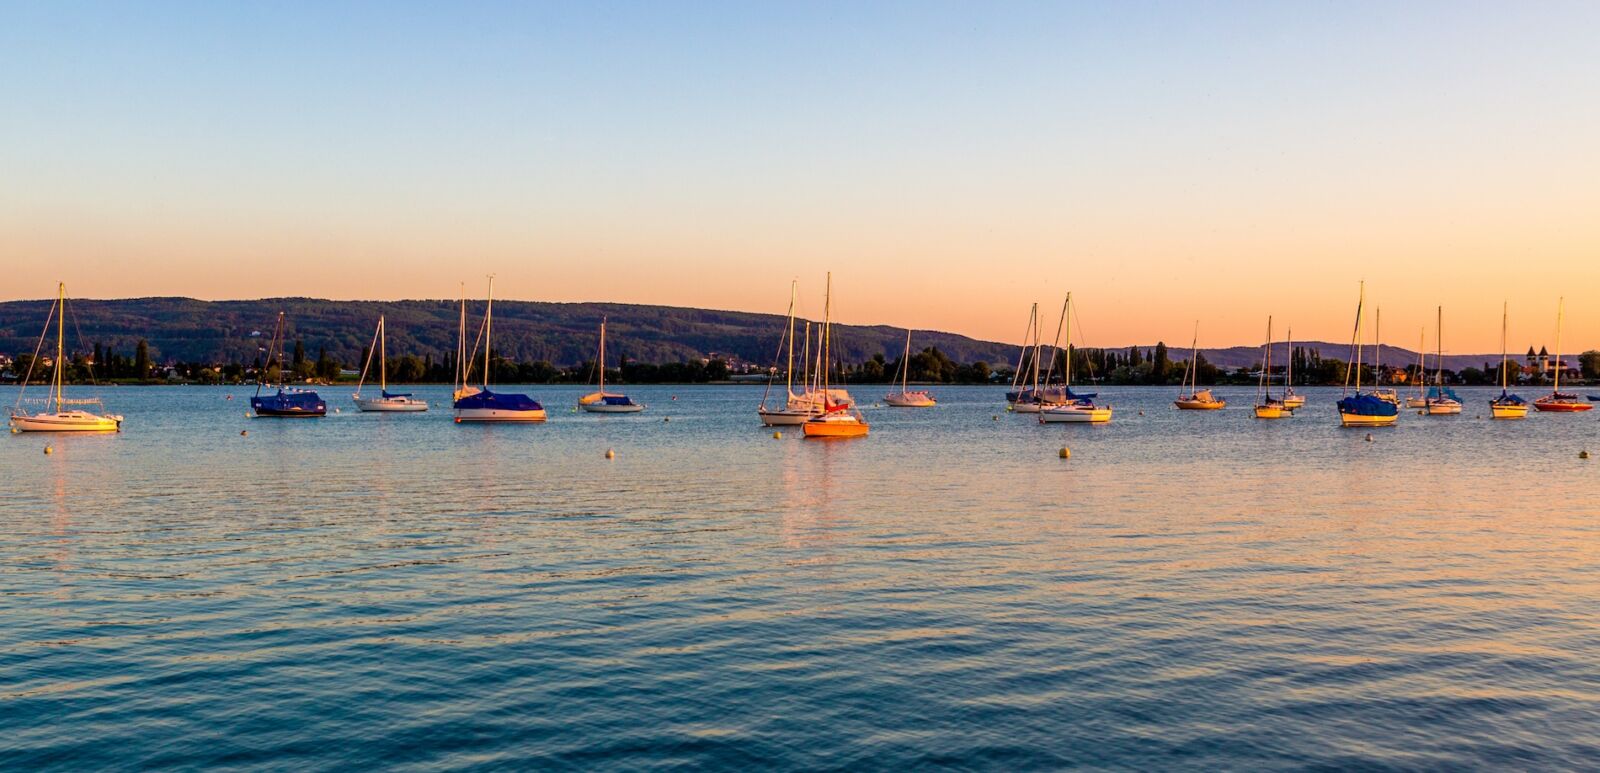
1200	405
1448	408
1416	402
69	421
1273	412
602	407
835	429
475	415
390	405
1075	416
1294	402
784	418
1364	420
1508	411
909	400
1561	406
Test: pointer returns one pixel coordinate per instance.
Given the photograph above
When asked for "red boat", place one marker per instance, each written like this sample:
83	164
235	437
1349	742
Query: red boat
1561	402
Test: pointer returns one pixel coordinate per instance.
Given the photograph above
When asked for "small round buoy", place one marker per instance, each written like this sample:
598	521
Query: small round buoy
777	436
48	450
1065	453
674	397
458	419
244	433
1581	454
1369	437
336	410
229	397
1422	412
610	454
1141	413
997	417
666	419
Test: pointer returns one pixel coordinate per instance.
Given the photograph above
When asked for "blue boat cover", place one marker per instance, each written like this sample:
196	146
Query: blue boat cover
387	395
1436	392
498	401
289	402
616	400
1506	398
1053	394
1368	405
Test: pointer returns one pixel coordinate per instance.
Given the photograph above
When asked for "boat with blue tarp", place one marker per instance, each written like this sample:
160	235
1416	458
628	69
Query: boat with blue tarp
286	401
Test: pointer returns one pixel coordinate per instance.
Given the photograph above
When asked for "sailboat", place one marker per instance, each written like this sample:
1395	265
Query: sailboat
385	401
1558	401
286	402
56	413
1266	406
1442	400
796	408
482	405
837	420
602	401
1193	398
1507	405
1290	399
1419	396
1386	394
1357	409
1076	409
906	398
1030	333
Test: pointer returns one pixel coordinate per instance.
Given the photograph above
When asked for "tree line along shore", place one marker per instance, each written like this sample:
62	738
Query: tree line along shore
1132	366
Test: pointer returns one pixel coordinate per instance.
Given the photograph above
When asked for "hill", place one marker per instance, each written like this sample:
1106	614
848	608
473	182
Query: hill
561	333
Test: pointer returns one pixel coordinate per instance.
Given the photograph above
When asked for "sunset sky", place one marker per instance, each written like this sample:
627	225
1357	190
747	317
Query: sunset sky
949	162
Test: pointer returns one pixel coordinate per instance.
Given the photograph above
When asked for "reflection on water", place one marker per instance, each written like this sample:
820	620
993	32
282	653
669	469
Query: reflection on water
1188	590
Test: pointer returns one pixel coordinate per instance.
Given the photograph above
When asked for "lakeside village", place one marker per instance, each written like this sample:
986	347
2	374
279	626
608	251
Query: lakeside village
1132	366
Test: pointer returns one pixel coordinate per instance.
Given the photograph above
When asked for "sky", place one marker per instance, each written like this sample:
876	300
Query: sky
950	163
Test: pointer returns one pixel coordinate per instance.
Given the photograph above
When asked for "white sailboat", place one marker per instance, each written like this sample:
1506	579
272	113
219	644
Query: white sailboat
1419	396
385	402
1290	399
1386	394
601	401
1076	409
1441	400
1266	406
1192	397
1019	393
906	398
56	413
796	408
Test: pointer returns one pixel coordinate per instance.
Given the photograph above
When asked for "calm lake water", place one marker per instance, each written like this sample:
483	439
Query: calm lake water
1189	590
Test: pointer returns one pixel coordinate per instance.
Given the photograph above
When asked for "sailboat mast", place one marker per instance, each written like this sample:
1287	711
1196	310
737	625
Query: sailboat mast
1360	312
905	363
788	372
827	323
602	363
1066	378
383	358
805	359
1265	382
461	342
1288	373
61	334
1191	374
1505	308
1561	306
488	332
1377	340
1438	341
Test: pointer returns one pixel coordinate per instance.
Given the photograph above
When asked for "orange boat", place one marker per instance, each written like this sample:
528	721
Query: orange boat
837	420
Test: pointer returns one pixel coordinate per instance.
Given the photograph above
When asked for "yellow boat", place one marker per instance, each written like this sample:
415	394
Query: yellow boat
1202	400
1365	420
1266	406
1507	405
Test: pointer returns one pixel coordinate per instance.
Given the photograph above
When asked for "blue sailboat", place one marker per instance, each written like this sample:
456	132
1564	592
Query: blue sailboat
287	402
1355	408
480	404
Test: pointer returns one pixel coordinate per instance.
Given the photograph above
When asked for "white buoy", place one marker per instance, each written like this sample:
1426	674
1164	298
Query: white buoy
244	433
1369	437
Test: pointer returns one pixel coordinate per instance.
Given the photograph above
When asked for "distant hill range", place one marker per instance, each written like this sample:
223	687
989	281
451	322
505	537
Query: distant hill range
561	333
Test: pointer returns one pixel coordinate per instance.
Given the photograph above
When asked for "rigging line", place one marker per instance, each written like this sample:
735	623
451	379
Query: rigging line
34	362
82	343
